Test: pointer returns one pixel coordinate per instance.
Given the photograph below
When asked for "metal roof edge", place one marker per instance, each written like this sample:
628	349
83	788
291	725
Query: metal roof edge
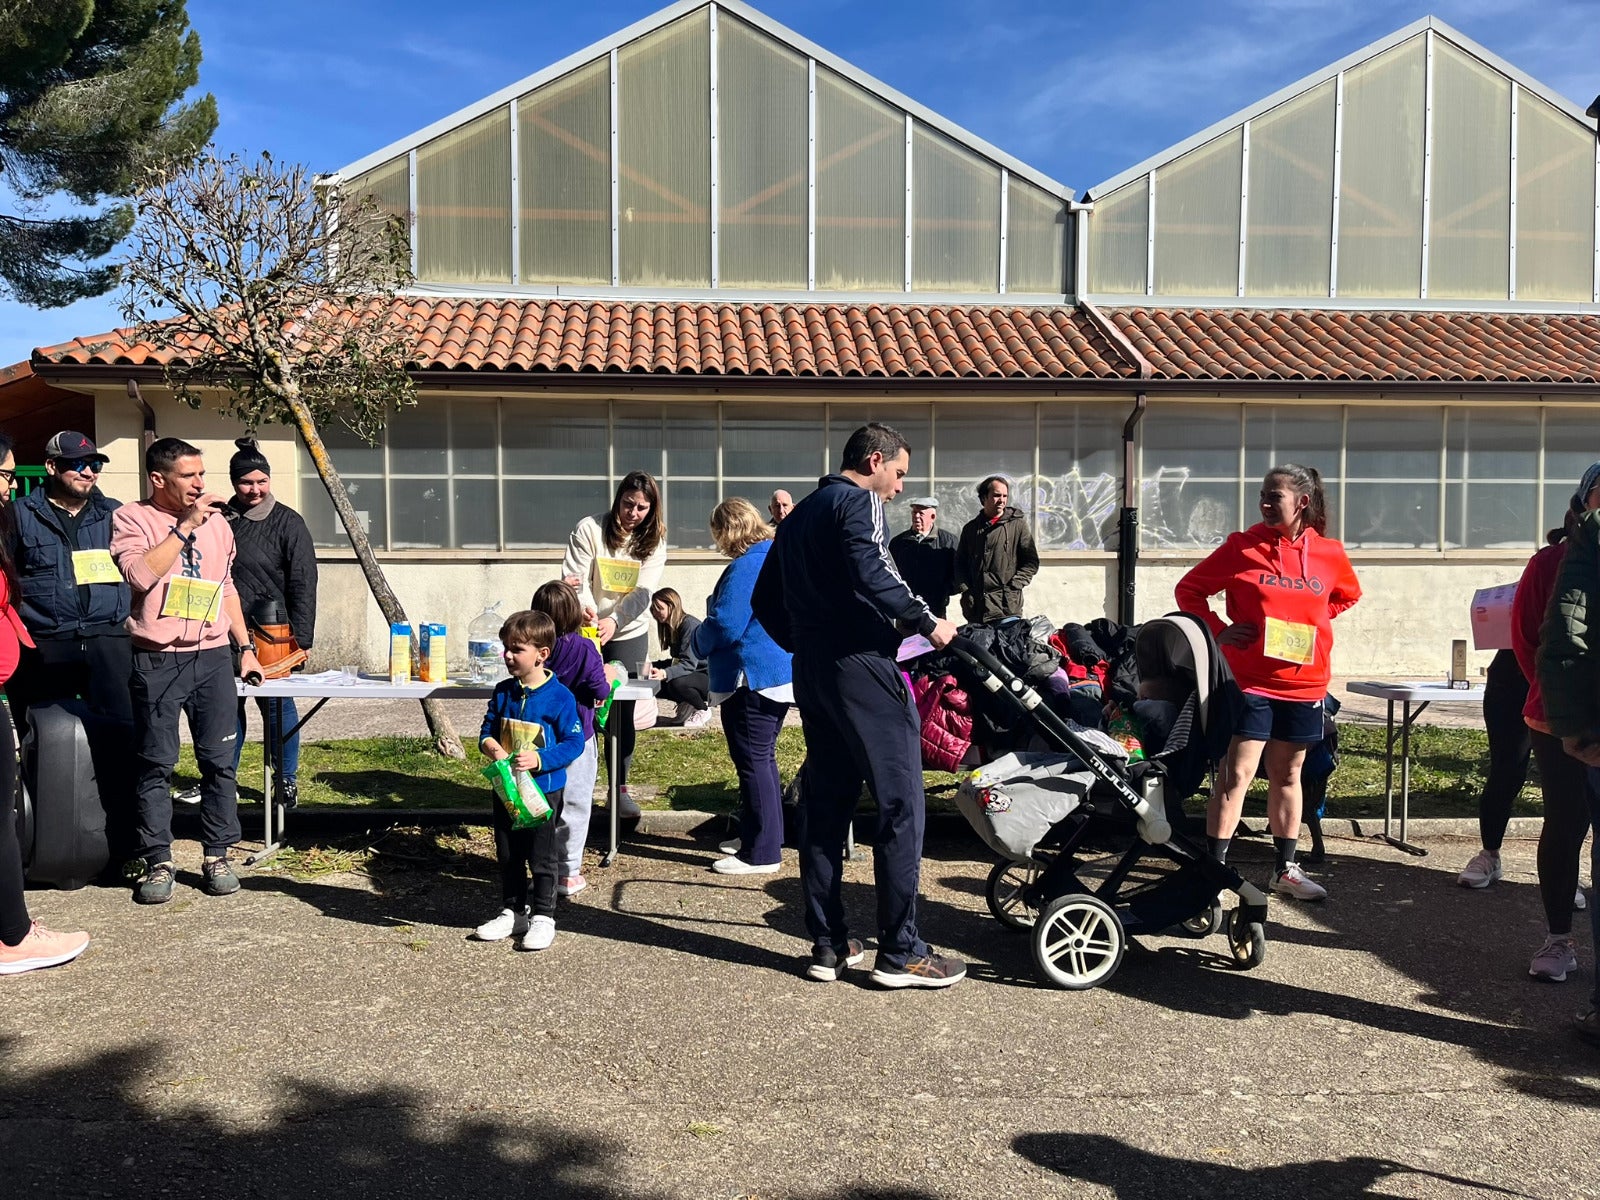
1377	304
666	16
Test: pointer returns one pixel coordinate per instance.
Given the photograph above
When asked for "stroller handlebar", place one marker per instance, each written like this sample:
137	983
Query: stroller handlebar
968	649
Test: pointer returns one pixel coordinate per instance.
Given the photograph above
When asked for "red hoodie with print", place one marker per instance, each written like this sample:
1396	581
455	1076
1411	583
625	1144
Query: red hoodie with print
1290	589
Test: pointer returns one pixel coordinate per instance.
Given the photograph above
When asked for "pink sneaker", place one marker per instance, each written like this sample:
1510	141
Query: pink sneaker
571	885
41	948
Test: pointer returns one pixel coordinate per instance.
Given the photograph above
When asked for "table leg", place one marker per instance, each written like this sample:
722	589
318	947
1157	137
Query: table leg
1388	771
1407	717
270	743
619	712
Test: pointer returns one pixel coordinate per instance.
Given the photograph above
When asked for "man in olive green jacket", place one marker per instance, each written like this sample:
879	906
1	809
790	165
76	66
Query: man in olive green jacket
995	558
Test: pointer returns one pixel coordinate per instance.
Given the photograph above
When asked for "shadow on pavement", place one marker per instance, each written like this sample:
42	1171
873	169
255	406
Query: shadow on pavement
1135	1174
86	1129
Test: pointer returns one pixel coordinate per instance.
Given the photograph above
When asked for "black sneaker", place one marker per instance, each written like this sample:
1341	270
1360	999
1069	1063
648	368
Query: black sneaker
830	962
1587	1025
929	970
189	795
156	886
219	877
289	792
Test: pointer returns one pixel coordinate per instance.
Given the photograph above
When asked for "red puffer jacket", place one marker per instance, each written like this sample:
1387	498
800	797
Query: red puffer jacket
946	716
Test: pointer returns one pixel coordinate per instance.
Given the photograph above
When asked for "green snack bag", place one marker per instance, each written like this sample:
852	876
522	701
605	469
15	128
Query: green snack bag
520	793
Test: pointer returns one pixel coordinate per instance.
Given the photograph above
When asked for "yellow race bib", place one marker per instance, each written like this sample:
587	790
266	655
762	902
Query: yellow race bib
192	599
618	574
516	736
94	566
1290	642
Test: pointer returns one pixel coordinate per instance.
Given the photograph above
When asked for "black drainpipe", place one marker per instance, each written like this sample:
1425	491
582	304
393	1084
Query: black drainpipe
1128	521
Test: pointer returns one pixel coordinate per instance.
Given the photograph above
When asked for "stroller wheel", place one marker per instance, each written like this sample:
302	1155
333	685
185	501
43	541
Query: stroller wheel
1205	922
1247	940
1004	892
1078	941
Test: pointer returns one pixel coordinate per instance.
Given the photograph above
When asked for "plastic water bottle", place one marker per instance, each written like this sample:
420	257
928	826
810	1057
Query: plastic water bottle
484	651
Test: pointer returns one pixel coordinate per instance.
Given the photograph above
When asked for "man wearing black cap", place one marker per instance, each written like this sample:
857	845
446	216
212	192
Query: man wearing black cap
73	600
926	556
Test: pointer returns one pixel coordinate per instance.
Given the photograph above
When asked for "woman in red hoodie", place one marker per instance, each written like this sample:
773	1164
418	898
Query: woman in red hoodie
1282	582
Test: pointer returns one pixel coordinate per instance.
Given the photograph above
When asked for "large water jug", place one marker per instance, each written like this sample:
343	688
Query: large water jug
484	651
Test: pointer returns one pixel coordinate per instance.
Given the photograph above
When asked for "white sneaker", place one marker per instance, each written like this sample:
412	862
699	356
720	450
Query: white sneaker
541	934
1292	881
734	865
189	795
1483	870
731	846
698	719
1580	901
506	924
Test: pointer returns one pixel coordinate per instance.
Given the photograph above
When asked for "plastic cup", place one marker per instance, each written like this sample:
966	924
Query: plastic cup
351	671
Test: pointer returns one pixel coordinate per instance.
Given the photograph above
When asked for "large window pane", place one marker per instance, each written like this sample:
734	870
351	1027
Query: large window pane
477	514
861	189
366	496
1036	240
688	504
664	141
544	438
955	219
1555	203
564	179
464	203
1079	487
1494	516
1189	474
764	441
1290	216
1119	232
474	437
421	516
543	512
1380	192
1392	470
1492	443
1275	435
910	421
761	160
1570	445
974	441
419	438
1197	220
1469	237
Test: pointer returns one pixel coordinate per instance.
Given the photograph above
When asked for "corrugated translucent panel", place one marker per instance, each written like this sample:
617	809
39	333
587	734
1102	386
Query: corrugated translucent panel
1197	220
564	178
1119	239
1469	239
664	131
1079	485
1555	204
861	189
1189	474
464	203
761	160
1380	192
1036	240
389	186
1290	217
955	217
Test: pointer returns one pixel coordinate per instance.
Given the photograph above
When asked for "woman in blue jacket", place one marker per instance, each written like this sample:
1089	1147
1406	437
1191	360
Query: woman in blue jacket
750	679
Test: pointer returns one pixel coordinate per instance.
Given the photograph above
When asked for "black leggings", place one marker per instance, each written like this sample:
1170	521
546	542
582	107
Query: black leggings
691	689
1505	692
14	919
1565	782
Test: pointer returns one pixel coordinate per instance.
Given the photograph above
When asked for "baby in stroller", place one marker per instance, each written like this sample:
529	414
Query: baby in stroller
1038	809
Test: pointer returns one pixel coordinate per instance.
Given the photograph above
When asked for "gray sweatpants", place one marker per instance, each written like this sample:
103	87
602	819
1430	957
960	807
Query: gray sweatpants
577	804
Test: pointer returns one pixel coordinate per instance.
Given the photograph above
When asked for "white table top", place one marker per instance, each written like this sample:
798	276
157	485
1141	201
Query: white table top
1432	691
337	686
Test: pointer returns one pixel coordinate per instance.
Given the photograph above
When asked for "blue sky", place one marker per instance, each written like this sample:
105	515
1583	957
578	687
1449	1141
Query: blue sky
1080	91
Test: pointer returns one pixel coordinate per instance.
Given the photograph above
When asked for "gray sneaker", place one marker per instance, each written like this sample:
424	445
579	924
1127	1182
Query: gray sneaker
219	877
156	886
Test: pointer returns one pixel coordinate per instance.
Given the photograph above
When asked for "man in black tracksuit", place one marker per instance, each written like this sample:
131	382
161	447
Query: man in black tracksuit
830	595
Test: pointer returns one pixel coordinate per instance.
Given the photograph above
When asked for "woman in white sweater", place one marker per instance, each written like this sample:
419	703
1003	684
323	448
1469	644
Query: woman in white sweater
614	560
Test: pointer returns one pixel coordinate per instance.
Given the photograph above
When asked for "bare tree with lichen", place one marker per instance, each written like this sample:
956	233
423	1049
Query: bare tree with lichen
273	296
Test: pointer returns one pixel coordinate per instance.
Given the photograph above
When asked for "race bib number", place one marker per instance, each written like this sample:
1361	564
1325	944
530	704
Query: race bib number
516	736
1290	642
94	566
618	574
192	599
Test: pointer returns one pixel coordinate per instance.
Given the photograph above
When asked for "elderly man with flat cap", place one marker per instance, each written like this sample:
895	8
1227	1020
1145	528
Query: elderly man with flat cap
926	556
73	599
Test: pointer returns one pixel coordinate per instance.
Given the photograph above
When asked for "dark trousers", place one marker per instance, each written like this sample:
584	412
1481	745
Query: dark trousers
752	722
199	685
1505	692
630	654
94	668
1594	873
278	714
14	919
860	726
1564	782
525	852
691	689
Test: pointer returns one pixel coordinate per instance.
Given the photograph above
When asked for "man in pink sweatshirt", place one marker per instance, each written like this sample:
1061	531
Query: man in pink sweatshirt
176	552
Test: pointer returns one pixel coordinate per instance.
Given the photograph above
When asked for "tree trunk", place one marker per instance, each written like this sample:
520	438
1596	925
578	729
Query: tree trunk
445	739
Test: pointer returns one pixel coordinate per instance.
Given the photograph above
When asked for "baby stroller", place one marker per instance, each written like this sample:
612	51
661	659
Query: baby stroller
1038	810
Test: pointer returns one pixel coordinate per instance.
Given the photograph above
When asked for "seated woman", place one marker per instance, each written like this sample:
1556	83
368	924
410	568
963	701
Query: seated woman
682	673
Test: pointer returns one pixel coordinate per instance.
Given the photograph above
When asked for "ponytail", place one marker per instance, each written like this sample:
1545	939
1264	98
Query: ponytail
1306	481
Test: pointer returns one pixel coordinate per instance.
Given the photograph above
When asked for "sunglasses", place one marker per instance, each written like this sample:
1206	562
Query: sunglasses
83	466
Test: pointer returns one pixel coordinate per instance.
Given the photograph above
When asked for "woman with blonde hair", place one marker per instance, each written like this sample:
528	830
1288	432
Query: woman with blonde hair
750	678
682	672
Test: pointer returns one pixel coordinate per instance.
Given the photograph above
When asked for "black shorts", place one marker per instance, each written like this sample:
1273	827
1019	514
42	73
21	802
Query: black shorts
1266	719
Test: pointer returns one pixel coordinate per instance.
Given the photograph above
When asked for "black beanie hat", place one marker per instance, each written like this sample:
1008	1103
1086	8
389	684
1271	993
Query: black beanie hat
247	460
